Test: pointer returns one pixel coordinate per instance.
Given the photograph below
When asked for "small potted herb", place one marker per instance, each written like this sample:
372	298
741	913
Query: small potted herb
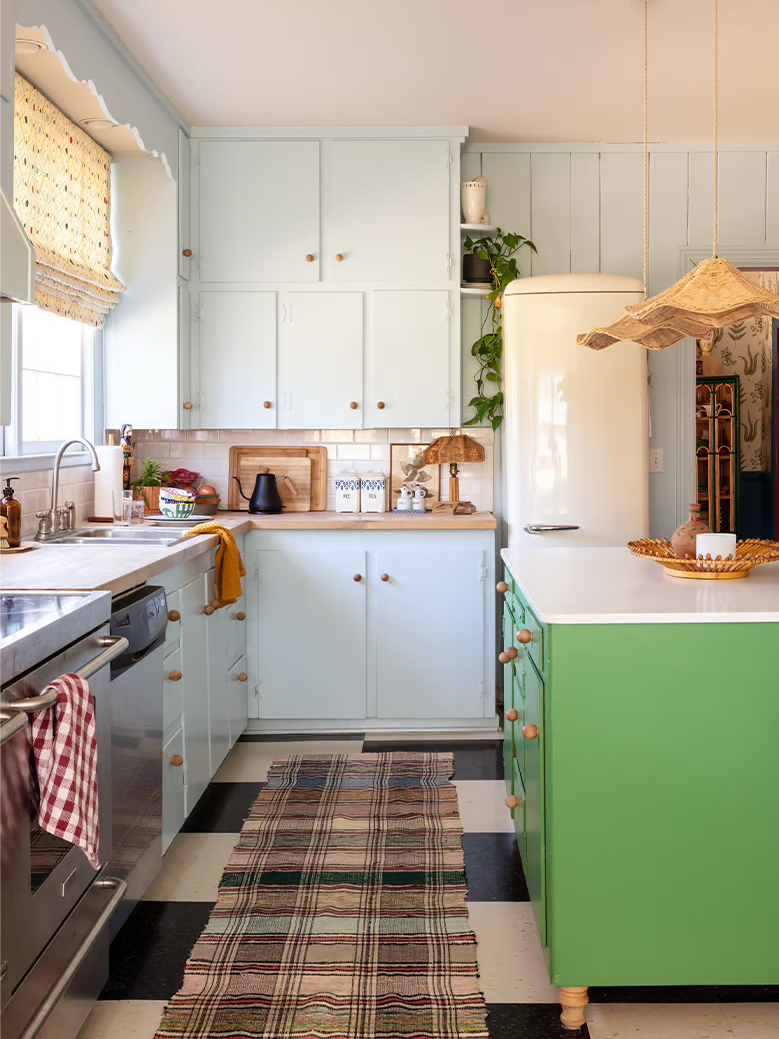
147	486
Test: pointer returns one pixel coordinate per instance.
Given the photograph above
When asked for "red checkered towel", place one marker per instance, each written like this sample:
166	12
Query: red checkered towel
65	750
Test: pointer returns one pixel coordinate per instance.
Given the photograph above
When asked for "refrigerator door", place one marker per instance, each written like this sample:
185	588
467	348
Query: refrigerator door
575	440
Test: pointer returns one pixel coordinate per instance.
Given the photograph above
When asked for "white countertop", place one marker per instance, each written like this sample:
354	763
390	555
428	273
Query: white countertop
611	586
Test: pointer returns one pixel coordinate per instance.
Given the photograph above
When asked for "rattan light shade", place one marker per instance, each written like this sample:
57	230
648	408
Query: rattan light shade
630	329
456	447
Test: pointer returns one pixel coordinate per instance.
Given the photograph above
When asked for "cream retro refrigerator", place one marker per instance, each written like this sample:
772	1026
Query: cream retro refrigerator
575	429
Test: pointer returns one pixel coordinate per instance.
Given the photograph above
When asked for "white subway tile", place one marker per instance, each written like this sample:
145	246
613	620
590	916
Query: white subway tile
234	436
303	436
371	436
176	449
381	453
337	436
352	451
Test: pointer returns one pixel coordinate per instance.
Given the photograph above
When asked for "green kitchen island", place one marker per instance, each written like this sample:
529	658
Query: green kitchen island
642	768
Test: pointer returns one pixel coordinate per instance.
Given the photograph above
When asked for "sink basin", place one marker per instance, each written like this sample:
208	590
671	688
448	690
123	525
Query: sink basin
119	536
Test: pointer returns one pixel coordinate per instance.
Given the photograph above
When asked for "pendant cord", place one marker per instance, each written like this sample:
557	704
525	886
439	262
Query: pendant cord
716	127
646	145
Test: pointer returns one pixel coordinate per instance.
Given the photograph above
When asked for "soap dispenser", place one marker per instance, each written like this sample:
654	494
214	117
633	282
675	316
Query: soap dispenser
12	510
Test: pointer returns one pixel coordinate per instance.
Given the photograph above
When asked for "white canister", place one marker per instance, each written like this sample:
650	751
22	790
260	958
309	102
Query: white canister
373	492
347	491
714	545
473	200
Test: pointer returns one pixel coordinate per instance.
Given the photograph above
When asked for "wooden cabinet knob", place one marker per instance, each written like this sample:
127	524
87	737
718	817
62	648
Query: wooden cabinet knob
187	405
267	404
380	405
530	731
354	405
357	577
524	636
186	252
242	676
511	715
208	610
174	615
309	257
385	577
339	257
176	760
508	654
240	616
214	603
512	801
502	587
175	675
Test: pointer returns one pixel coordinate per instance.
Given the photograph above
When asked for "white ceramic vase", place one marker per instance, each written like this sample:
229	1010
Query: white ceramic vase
473	199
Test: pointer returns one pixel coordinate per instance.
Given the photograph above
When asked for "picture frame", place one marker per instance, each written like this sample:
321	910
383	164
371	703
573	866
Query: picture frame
407	467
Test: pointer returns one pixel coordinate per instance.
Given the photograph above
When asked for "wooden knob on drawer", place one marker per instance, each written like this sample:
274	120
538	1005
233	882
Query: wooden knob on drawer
502	587
214	603
508	654
339	257
385	577
240	616
174	676
357	577
176	760
309	257
242	676
208	610
511	715
380	405
267	404
512	801
530	731
174	615
524	636
354	405
186	252
187	405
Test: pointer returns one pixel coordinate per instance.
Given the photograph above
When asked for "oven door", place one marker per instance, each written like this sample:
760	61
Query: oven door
43	877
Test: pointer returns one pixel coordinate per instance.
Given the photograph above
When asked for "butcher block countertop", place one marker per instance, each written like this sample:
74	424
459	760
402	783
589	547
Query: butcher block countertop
119	567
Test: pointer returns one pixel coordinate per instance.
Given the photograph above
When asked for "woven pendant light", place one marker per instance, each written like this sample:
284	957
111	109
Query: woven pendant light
715	292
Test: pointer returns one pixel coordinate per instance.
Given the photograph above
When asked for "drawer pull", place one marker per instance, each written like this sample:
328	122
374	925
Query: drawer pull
511	715
510	653
240	616
176	760
187	405
530	731
512	802
174	615
502	587
354	405
208	610
174	676
339	257
524	636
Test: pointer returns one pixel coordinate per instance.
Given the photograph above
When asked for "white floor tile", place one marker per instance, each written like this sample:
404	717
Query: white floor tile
248	762
512	968
658	1021
424	737
752	1020
192	868
482	806
123	1019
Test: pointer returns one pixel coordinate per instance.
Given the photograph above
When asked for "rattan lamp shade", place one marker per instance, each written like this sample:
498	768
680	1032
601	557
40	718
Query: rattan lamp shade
456	447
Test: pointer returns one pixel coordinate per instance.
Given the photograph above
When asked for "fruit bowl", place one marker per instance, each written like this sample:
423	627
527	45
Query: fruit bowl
749	553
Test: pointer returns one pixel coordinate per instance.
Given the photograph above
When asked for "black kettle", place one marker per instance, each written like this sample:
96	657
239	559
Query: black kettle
265	496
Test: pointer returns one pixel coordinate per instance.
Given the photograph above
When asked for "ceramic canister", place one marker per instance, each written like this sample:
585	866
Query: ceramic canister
373	492
347	491
473	199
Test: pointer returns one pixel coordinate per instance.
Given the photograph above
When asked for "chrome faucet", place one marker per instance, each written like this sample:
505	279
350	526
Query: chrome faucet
54	521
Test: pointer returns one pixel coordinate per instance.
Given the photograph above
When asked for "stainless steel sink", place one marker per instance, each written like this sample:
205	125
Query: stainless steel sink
119	536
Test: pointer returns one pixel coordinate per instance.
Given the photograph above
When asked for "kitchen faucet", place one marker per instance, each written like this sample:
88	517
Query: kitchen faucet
54	521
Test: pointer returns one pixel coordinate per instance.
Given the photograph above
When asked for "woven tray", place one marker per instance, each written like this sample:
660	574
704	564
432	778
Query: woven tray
749	553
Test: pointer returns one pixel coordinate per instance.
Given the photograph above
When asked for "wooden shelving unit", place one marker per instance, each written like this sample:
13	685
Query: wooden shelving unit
717	451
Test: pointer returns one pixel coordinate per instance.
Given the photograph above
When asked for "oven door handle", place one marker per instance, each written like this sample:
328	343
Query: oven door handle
12	722
115	644
119	888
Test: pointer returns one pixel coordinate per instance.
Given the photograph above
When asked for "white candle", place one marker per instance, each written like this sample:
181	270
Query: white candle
723	545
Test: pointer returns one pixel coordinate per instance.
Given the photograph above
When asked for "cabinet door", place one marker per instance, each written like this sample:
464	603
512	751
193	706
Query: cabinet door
312	634
218	712
173	788
237	360
533	774
185	356
386	211
321	360
194	669
407	359
429	617
237	698
182	187
259	211
236	629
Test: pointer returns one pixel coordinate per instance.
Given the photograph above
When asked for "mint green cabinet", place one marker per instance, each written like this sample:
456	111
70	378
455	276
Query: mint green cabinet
531	736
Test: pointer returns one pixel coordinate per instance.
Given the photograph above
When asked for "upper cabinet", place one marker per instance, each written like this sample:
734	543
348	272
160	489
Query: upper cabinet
258	211
185	244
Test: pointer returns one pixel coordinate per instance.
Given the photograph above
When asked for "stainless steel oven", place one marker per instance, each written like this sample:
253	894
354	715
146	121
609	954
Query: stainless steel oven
53	906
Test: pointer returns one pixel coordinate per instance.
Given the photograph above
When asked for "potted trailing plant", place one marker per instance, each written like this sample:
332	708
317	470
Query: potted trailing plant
498	251
147	486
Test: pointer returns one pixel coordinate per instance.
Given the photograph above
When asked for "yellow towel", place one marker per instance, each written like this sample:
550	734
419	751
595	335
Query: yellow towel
229	565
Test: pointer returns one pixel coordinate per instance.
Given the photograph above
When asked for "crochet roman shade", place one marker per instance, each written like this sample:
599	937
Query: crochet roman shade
62	195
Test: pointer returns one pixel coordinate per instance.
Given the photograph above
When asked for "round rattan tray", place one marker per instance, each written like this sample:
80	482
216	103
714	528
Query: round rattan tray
749	553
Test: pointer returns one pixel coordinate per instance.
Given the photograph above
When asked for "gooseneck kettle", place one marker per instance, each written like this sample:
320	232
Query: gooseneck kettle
265	497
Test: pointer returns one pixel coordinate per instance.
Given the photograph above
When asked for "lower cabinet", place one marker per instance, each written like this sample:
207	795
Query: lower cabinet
385	627
174	807
237	702
194	667
218	711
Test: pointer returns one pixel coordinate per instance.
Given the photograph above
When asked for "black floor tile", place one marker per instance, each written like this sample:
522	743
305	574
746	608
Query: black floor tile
473	759
652	994
747	993
493	868
529	1021
287	737
148	955
222	808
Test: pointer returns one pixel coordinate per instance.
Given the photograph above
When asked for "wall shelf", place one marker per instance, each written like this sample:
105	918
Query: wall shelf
484	228
470	290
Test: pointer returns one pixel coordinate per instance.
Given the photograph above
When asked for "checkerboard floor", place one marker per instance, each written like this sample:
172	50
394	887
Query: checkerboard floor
148	955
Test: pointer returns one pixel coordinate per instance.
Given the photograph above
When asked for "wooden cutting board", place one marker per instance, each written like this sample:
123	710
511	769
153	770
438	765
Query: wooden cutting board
318	456
247	463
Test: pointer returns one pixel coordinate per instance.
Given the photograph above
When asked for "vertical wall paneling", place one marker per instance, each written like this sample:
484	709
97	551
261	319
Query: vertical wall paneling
621	223
701	194
550	208
742	195
585	213
508	196
772	198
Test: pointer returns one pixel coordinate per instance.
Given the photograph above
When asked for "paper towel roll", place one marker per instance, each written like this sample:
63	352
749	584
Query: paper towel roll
108	479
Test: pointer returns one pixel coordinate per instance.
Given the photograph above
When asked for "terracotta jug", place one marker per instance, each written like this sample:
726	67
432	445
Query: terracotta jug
683	540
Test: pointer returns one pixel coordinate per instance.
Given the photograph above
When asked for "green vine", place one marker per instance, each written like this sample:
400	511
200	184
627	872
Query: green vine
499	250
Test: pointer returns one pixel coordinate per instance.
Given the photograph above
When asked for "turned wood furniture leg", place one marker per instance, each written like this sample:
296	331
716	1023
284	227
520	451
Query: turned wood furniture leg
573	1001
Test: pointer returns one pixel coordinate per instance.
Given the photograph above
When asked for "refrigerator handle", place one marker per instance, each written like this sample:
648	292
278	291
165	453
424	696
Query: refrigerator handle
548	528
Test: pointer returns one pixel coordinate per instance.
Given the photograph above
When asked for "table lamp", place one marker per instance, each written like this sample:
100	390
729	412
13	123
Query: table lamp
451	449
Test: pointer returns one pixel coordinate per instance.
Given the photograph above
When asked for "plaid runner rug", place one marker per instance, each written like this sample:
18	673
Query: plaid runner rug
341	913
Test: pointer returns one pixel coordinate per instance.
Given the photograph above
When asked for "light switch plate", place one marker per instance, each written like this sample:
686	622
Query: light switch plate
656	464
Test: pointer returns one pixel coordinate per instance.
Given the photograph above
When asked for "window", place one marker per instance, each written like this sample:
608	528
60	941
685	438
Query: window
55	361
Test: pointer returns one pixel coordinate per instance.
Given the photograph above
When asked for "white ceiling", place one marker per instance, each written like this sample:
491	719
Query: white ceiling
514	70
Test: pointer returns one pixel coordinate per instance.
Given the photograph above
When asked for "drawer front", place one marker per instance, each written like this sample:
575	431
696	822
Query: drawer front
173	789
236	630
172	691
509	635
173	630
535	646
512	597
533	774
518	813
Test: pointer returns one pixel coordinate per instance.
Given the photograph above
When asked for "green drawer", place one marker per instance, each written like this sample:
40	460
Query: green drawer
513	599
532	770
518	814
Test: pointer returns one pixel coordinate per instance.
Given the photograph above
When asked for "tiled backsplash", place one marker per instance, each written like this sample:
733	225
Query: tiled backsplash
33	489
207	452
